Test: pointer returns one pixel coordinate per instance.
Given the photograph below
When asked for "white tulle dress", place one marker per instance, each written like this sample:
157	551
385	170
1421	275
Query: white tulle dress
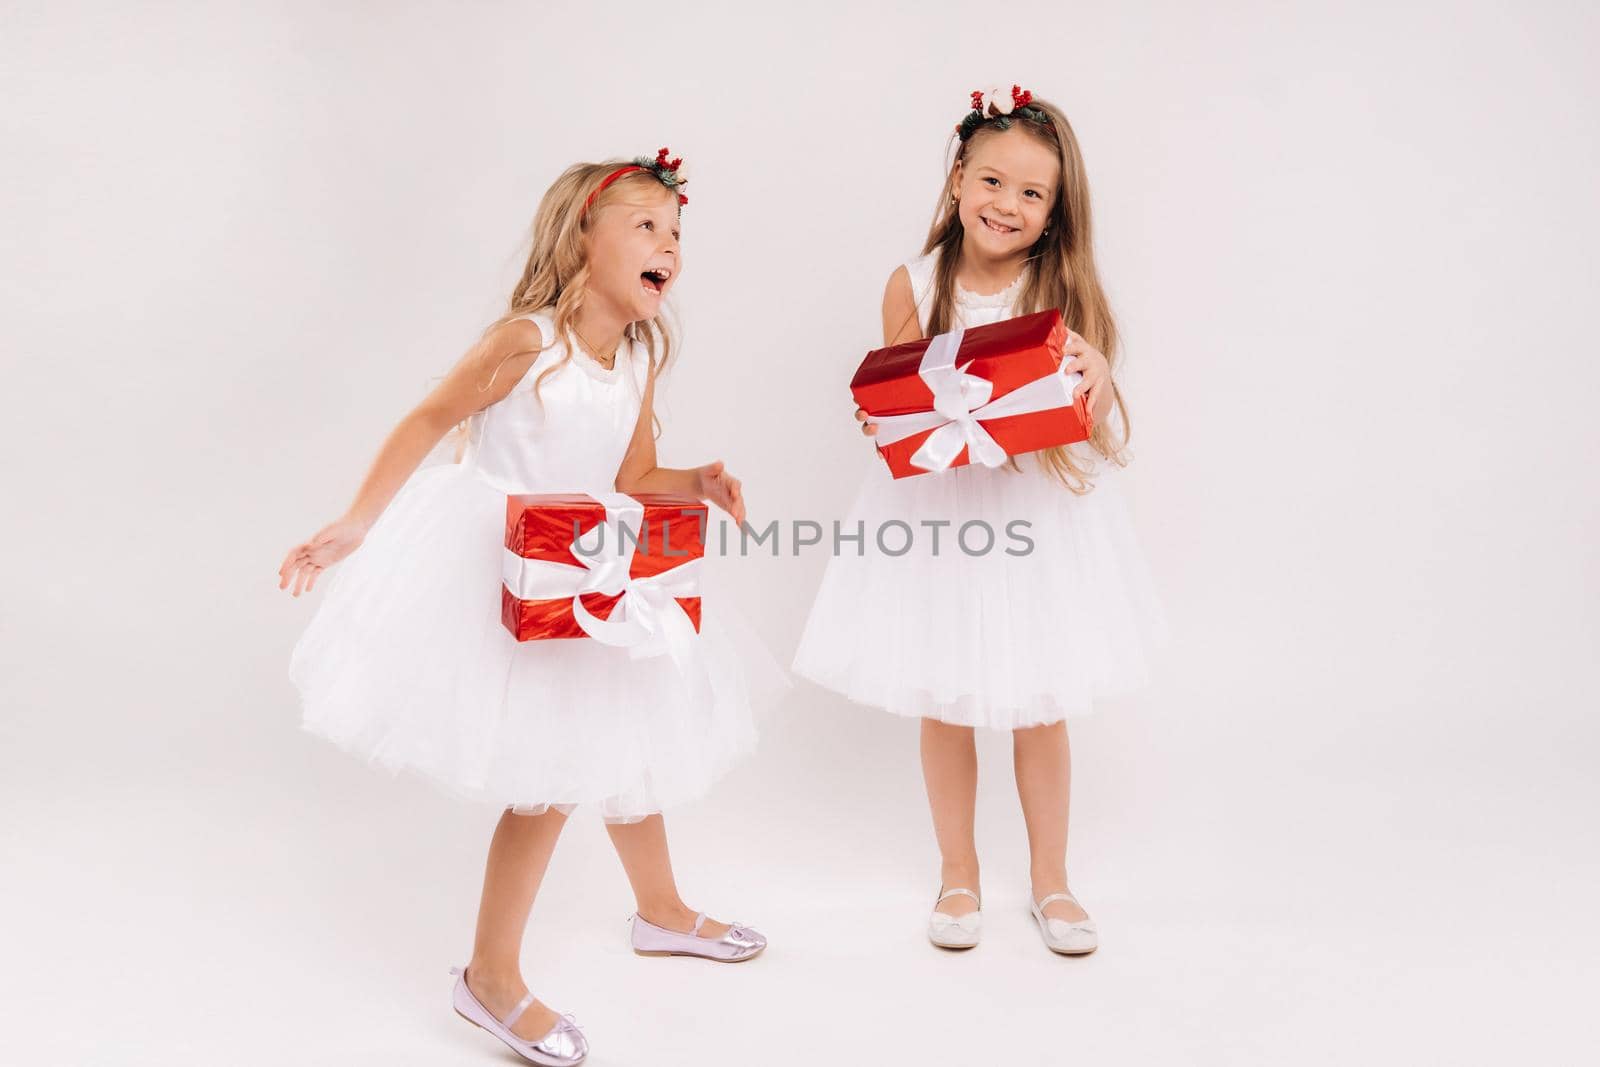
987	639
407	665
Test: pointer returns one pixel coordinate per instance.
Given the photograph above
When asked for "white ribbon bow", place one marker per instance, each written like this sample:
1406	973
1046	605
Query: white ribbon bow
960	401
648	620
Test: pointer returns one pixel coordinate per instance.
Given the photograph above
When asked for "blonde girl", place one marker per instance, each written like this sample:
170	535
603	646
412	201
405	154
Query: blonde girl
406	663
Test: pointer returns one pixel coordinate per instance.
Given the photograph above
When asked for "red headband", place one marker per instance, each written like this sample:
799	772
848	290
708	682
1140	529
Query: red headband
613	176
667	171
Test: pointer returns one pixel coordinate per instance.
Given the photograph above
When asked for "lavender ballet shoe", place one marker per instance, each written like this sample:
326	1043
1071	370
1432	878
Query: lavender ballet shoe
563	1046
740	943
955	931
1063	936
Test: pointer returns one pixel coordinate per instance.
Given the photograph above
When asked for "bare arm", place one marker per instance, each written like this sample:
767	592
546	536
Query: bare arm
900	324
639	473
483	376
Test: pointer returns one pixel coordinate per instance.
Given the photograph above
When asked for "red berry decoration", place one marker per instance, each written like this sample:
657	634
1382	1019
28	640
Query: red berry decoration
977	99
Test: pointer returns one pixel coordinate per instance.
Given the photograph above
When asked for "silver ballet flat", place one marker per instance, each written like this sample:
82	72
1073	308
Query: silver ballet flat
1061	935
955	931
563	1046
740	943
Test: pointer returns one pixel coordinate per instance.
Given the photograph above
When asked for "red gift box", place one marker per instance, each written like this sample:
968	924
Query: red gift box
617	568
981	394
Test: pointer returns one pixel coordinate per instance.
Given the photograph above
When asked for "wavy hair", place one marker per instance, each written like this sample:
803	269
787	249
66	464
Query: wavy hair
557	269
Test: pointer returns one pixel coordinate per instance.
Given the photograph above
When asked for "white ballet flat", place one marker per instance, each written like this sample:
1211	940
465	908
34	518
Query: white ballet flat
955	931
1063	936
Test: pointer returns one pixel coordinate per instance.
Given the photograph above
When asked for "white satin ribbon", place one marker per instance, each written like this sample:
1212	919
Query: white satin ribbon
960	401
648	620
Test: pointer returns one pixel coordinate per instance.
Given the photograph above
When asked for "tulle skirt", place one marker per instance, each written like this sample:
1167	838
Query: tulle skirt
1059	611
407	665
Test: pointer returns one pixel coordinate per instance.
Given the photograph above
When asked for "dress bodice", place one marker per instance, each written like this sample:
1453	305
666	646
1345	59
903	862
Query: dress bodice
571	431
971	309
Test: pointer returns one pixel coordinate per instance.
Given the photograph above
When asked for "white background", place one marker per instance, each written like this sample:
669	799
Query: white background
1353	251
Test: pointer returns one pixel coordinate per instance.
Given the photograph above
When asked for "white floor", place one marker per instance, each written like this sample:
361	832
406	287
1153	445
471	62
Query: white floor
1354	904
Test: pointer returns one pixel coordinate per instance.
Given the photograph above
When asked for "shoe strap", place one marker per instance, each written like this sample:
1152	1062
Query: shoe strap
1053	897
516	1013
699	921
513	1015
948	893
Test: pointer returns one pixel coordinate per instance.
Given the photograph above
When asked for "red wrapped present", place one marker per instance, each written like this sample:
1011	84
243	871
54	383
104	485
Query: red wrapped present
620	569
972	395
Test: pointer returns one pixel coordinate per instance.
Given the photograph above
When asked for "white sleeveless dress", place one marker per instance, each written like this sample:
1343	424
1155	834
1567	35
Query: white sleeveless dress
987	639
407	665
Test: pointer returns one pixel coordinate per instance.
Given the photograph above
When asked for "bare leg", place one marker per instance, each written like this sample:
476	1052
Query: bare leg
519	854
950	773
1043	758
642	848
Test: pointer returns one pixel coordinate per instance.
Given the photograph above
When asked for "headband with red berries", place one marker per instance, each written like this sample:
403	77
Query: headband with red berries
668	172
999	106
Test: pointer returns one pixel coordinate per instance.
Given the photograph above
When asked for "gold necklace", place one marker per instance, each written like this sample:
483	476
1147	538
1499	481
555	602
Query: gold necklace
608	364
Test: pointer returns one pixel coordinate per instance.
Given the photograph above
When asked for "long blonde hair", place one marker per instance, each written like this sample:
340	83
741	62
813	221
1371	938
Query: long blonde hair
557	268
1063	274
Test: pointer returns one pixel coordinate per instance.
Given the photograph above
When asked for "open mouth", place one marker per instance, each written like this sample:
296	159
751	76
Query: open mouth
655	280
997	227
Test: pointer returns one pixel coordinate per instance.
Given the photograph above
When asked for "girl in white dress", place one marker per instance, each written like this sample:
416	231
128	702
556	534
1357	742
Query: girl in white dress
1056	612
407	664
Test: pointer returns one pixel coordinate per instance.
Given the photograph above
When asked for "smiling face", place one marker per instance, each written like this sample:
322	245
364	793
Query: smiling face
633	251
1007	183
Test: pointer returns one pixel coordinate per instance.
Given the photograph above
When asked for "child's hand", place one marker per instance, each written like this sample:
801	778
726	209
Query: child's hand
328	546
868	428
722	489
1096	370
